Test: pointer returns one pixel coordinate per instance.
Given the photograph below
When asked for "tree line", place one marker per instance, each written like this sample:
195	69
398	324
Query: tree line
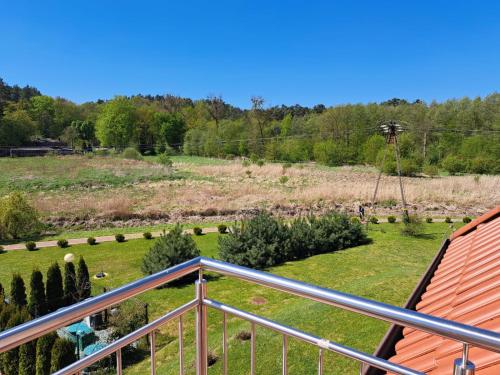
48	353
458	135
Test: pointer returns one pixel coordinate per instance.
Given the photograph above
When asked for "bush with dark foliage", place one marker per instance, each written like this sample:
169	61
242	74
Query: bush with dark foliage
197	231
91	241
466	219
62	243
265	241
168	250
119	237
222	228
391	219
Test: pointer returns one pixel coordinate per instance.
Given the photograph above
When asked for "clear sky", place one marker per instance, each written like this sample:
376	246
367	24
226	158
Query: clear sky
304	52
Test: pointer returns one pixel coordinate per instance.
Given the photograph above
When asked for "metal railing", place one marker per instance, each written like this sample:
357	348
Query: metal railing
468	335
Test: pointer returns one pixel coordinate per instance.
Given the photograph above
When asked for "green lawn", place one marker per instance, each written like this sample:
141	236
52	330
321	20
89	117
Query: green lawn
386	270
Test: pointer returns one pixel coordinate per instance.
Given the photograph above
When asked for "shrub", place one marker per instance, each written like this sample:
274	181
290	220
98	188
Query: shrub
222	228
54	288
62	243
83	284
260	162
283	180
119	237
131	153
165	160
466	219
409	167
31	245
428	220
431	170
62	355
197	231
355	219
168	250
484	165
454	164
91	241
259	243
373	220
448	220
391	219
245	163
18	218
147	235
43	353
265	241
413	226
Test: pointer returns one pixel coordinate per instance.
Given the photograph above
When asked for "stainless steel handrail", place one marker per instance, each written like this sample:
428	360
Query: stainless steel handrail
35	328
311	339
446	328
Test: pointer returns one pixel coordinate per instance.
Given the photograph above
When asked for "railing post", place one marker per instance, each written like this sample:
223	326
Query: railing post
119	370
201	328
462	366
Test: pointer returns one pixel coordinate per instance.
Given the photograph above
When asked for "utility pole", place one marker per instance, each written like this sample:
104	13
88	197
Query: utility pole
391	130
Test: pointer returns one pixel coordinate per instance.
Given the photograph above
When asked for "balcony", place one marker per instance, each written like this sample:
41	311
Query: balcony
467	335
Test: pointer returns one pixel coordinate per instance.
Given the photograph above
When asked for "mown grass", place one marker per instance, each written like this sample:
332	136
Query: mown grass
386	270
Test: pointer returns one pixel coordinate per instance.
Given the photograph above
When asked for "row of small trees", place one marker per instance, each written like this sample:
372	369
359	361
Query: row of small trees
265	241
49	353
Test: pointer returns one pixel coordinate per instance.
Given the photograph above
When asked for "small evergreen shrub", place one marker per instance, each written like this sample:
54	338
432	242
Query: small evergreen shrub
428	220
448	220
119	237
222	228
197	231
30	245
147	235
374	220
260	162
132	154
62	243
355	219
91	241
168	250
164	159
413	227
466	219
265	241
391	219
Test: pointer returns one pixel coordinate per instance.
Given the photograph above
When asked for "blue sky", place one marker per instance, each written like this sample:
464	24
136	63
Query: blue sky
304	52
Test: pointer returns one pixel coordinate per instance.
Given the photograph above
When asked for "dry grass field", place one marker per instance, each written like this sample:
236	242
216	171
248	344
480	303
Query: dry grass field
101	189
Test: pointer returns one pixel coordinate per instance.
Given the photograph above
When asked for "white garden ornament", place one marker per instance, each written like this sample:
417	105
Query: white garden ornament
69	257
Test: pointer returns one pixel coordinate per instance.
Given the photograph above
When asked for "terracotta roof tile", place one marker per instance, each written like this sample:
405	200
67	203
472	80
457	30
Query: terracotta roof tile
465	288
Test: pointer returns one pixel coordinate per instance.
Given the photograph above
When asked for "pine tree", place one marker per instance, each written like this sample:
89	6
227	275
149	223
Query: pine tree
27	358
43	353
70	292
63	354
83	280
18	291
54	288
37	304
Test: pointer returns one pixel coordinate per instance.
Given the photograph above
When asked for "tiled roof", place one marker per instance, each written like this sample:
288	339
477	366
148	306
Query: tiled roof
465	288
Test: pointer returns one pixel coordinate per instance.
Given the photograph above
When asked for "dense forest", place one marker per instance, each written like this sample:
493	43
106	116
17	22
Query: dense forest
458	135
